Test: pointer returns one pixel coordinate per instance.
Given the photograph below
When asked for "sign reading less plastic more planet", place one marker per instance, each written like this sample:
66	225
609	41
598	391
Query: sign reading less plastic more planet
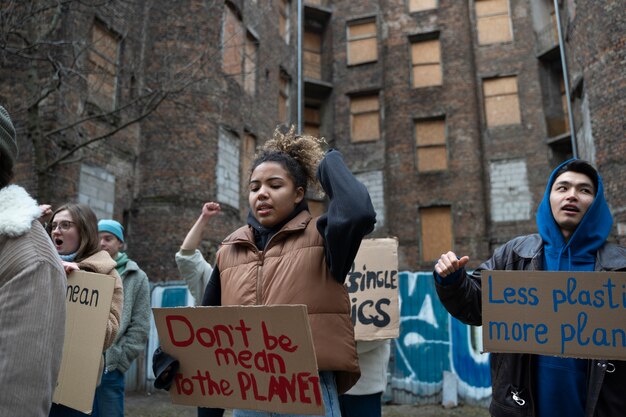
572	314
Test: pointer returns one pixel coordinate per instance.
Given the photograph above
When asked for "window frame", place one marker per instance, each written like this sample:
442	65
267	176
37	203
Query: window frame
482	18
486	100
97	71
357	38
418	147
362	96
423	39
284	95
422	233
408	7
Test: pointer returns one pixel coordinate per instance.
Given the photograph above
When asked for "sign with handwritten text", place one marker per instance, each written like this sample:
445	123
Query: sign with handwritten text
243	357
88	303
572	314
372	285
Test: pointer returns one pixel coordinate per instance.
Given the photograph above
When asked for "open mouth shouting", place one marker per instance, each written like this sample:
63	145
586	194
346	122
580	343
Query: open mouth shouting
264	210
570	208
58	243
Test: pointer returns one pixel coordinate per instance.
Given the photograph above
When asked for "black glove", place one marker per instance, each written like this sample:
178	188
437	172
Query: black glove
165	368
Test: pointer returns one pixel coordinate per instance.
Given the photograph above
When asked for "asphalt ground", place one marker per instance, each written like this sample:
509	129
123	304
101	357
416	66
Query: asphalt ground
158	404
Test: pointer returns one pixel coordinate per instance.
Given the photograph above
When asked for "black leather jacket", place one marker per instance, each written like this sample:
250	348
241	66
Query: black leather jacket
511	373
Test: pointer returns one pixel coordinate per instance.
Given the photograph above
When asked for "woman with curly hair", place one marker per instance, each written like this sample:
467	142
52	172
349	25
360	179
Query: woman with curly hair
285	256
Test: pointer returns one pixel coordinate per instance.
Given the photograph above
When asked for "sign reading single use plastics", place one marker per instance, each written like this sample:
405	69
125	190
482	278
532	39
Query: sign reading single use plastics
572	314
372	285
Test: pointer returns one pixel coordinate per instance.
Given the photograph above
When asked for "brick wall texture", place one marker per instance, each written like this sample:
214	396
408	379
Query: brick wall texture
156	173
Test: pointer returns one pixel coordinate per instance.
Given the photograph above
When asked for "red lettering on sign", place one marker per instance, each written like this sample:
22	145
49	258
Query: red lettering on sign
305	379
170	331
271	342
246	382
184	386
283	387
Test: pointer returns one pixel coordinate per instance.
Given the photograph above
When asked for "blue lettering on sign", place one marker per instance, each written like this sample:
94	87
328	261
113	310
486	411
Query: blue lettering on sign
510	295
572	296
580	335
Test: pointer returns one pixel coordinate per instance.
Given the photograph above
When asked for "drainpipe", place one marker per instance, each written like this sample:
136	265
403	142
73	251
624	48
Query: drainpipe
299	67
572	127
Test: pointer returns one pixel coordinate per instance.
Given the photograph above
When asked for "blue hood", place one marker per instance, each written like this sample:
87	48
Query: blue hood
579	253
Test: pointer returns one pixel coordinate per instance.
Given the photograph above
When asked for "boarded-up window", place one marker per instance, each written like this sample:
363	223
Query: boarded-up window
362	42
96	188
501	101
555	26
283	98
426	60
239	51
232	45
509	191
493	21
312	120
250	64
103	63
228	174
421	5
283	19
247	157
564	104
312	55
436	232
430	142
365	118
373	181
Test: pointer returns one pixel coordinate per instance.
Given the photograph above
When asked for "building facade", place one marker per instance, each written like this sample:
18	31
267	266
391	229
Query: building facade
452	113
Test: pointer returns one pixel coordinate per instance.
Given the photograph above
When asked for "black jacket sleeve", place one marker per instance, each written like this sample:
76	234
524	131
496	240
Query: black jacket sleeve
350	214
213	292
463	297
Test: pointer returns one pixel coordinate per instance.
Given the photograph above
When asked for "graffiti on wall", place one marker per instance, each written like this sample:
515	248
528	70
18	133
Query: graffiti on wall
431	342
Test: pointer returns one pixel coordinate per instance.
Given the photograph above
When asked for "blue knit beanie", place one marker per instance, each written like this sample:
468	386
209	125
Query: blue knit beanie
112	227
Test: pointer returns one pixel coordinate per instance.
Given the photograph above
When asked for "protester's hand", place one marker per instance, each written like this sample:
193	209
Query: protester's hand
449	263
210	209
70	266
165	368
46	212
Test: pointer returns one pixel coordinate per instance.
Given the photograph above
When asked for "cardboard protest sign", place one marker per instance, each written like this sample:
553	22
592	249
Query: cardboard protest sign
88	302
572	314
372	285
244	357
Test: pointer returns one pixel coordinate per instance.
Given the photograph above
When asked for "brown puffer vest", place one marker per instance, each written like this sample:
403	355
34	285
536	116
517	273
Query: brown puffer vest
293	270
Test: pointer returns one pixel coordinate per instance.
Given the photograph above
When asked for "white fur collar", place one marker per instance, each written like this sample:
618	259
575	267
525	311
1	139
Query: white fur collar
17	211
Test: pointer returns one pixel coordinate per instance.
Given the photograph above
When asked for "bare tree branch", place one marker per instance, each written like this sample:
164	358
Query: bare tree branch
157	100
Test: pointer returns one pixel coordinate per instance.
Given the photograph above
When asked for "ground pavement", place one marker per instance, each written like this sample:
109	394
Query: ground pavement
158	405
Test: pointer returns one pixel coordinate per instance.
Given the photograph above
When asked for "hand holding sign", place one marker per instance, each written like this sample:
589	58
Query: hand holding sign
449	263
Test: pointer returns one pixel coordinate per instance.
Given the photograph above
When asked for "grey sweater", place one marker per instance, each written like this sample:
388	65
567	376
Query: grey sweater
135	324
32	308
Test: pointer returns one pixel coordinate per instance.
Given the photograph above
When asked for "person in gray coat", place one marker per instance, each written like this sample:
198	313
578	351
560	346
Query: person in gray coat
134	326
32	295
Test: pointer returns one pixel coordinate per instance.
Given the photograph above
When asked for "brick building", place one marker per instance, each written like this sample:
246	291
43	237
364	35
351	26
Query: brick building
452	113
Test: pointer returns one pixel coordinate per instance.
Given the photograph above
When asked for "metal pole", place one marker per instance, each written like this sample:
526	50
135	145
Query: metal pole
572	128
299	67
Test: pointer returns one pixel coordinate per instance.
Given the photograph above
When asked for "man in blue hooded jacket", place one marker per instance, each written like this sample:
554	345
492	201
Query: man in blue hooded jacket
574	222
